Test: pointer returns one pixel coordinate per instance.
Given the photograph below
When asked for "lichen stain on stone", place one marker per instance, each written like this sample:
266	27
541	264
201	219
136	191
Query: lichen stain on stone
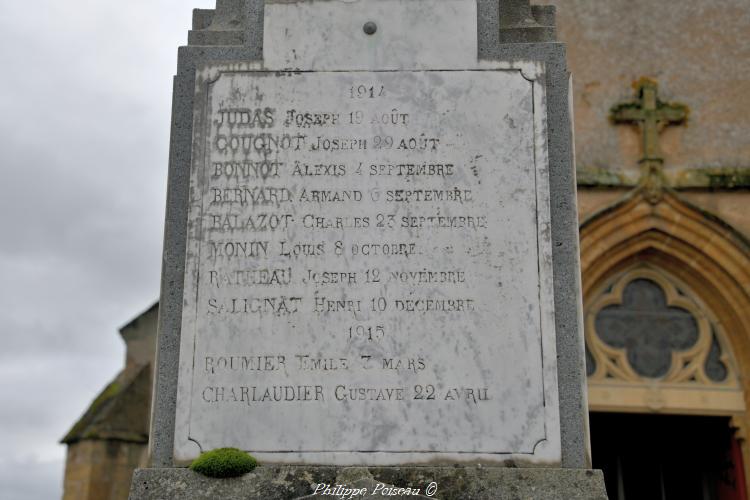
108	393
718	178
638	104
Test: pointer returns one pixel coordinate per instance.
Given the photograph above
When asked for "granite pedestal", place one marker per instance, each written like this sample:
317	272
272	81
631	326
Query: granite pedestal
450	483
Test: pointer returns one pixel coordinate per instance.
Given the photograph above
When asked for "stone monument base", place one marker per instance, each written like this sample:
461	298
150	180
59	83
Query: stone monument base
445	483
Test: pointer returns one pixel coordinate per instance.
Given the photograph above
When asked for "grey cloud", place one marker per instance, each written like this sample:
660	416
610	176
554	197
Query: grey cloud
84	125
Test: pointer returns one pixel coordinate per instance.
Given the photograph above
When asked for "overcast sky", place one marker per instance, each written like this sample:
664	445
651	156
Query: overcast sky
85	99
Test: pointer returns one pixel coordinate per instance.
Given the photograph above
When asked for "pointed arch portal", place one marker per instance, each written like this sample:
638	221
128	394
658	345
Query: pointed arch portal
668	285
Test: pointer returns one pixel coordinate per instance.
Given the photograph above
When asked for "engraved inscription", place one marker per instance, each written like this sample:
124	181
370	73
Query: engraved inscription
364	264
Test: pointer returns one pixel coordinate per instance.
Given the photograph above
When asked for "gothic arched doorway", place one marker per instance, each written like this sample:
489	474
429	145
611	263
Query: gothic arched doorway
667	320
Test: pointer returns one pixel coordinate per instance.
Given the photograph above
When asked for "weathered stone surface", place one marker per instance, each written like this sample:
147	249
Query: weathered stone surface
101	469
449	483
225	25
368	249
684	44
408	34
521	22
563	230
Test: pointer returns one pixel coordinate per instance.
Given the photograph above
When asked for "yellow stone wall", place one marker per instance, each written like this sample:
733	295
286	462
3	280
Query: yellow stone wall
101	470
695	49
732	207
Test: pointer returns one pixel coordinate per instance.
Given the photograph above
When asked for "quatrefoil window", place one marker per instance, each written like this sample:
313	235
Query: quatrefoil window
643	327
647	328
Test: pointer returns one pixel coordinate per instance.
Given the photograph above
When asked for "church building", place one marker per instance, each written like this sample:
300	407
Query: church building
661	105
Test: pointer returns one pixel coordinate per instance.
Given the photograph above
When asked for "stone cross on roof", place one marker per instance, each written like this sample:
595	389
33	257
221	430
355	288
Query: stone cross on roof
651	115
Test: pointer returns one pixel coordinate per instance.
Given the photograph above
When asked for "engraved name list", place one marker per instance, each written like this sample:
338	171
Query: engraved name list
367	260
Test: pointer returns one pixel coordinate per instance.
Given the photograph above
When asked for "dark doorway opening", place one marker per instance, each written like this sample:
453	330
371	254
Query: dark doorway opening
667	457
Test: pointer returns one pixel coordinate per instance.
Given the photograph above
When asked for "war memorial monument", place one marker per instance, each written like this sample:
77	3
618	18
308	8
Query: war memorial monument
370	275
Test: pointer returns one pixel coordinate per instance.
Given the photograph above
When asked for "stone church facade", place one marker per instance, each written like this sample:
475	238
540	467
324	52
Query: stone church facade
661	96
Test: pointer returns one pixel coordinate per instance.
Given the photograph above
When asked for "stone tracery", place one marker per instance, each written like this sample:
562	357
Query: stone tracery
703	267
643	327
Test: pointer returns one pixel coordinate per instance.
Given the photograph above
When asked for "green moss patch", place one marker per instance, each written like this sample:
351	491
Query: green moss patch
224	462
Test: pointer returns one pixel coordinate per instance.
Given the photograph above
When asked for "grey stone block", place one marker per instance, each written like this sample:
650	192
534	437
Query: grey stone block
570	349
211	37
521	22
223	26
527	34
544	15
202	18
299	482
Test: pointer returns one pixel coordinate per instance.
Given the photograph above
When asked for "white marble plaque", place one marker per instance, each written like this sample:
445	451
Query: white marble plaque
368	273
328	34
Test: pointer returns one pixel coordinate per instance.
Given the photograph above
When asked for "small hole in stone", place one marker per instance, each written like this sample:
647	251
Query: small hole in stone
370	28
